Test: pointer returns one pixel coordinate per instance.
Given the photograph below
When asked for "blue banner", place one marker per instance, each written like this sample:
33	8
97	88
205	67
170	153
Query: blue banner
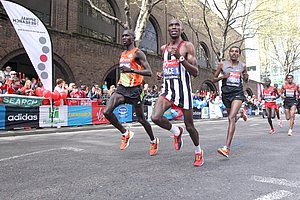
79	115
168	114
124	113
2	117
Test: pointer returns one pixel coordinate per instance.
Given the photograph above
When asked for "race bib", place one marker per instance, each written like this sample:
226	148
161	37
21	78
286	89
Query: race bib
289	93
234	79
126	64
269	98
171	69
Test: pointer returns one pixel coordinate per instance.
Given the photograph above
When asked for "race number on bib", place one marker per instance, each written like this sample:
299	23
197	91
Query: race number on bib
171	69
234	79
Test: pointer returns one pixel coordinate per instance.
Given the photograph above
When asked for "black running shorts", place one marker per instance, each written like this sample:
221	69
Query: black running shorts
133	95
230	97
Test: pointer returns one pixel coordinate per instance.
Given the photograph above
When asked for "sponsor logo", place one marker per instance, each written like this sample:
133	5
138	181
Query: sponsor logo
22	117
196	113
29	21
100	115
123	112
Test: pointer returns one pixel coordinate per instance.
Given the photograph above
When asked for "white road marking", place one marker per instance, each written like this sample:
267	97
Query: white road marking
275	195
276	181
43	151
254	125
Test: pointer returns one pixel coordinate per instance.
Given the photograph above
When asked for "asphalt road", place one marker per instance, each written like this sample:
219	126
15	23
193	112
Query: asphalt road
88	164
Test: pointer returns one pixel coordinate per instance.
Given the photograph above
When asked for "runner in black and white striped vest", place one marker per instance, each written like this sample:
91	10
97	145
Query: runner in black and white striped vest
179	62
177	80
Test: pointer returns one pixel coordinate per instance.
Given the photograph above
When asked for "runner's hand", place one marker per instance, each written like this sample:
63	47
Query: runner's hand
226	75
175	52
159	75
125	69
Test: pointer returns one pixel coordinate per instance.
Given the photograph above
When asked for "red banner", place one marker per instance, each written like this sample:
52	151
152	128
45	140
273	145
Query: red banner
98	116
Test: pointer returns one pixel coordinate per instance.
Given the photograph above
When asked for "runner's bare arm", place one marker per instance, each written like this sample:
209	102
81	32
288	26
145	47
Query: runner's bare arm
191	62
245	74
141	59
217	73
282	91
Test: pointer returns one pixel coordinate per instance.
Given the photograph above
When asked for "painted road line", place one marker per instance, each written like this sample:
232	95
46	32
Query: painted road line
275	195
276	181
39	152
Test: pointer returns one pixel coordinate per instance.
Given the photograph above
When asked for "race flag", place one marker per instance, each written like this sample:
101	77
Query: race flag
35	39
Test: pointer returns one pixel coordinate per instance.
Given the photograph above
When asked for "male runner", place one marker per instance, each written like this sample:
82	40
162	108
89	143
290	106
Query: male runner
289	95
233	72
179	63
278	105
133	66
269	95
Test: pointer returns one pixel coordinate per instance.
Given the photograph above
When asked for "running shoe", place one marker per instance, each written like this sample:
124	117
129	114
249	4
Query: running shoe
199	159
178	142
280	124
224	151
272	131
290	133
126	139
244	115
154	147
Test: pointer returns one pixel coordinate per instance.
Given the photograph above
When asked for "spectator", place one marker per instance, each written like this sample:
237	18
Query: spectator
26	89
111	90
104	86
15	87
59	85
7	70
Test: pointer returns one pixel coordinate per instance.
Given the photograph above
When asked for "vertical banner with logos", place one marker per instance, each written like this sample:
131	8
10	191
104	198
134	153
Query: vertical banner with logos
60	116
79	115
124	113
2	117
17	117
35	39
98	116
204	113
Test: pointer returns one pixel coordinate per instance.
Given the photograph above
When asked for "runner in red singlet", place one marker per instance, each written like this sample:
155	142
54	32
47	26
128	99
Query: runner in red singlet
269	95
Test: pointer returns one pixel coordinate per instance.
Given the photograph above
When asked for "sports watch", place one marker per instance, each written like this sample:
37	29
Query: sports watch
181	59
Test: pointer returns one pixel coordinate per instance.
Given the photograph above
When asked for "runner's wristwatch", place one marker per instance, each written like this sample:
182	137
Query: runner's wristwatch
181	59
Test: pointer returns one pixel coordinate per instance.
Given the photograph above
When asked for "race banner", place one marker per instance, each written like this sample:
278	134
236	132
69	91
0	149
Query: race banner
2	117
58	117
18	117
35	39
22	101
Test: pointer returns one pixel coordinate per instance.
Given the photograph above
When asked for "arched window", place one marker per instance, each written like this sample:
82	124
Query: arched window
42	10
94	24
149	42
202	55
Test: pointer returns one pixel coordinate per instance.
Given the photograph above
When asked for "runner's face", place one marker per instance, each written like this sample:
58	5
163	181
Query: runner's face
290	79
127	38
268	83
234	53
174	29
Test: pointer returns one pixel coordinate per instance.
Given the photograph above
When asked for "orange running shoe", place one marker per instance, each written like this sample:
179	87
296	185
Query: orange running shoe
272	131
126	139
224	151
244	115
154	147
199	159
178	142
